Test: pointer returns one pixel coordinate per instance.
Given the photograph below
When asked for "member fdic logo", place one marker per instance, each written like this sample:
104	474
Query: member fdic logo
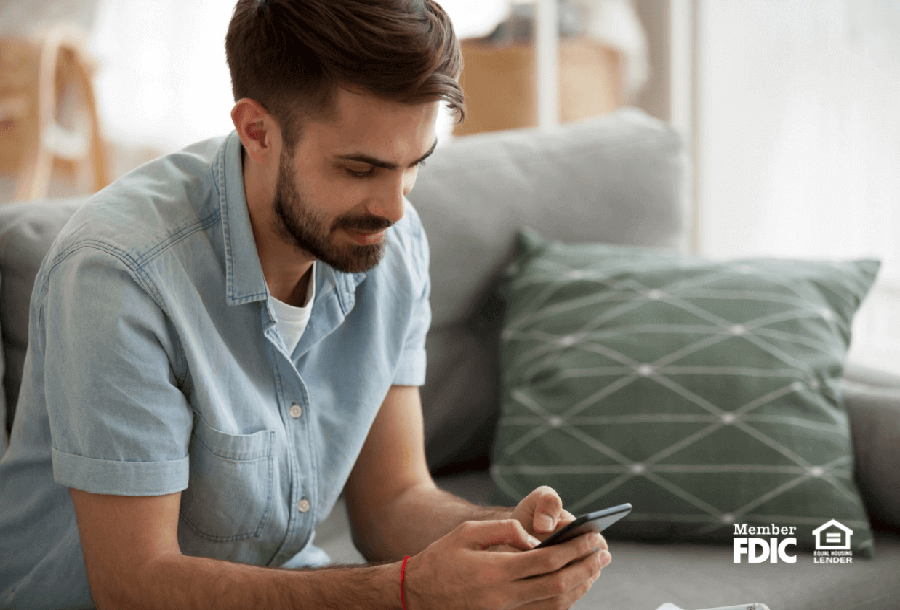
774	547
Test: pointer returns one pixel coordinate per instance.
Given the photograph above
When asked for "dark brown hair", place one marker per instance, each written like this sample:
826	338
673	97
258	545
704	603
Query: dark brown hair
291	55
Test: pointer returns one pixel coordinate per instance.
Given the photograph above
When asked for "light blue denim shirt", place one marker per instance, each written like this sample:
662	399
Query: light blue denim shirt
155	366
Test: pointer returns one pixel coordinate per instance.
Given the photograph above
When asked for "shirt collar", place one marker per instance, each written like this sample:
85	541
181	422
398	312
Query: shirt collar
245	281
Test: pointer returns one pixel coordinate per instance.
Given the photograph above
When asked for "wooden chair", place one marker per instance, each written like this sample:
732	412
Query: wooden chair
48	114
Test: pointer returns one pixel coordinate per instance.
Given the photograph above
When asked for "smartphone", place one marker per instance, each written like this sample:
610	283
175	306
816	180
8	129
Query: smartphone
590	522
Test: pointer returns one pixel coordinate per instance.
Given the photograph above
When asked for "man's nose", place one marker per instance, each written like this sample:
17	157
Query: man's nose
391	203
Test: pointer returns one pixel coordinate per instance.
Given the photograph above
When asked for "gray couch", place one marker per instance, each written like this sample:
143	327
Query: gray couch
617	179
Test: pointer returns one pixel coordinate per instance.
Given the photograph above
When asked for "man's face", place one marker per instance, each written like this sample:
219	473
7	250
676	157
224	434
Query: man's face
345	182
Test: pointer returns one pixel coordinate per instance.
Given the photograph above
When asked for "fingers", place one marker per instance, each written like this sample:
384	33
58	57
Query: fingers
484	534
565	520
563	588
566	600
455	571
554	558
548	510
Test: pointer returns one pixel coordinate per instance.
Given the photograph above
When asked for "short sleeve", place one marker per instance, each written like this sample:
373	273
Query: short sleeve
118	421
412	363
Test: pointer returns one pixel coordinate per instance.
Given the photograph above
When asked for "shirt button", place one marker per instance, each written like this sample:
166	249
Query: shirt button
303	506
296	410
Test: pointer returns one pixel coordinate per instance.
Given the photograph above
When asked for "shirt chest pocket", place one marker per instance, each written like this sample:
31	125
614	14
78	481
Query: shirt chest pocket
229	493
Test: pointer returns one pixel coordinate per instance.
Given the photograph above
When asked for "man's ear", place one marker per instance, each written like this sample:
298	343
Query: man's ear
256	129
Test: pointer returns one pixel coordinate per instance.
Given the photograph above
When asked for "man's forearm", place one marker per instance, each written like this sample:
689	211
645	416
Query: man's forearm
415	519
182	582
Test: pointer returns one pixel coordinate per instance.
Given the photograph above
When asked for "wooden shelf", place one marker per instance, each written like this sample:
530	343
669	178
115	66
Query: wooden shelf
500	83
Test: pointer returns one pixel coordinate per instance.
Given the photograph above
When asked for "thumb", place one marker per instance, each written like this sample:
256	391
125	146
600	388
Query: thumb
483	534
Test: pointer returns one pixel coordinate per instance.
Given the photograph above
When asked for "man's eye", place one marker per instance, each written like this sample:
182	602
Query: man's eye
366	174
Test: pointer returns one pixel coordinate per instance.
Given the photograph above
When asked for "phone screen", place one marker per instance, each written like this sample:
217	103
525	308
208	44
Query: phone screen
590	522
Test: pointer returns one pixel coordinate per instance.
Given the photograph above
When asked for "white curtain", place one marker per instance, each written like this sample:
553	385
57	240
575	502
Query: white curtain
163	81
799	129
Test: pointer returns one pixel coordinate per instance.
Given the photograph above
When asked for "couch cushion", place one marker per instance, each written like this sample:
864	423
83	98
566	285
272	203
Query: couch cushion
26	232
616	179
706	393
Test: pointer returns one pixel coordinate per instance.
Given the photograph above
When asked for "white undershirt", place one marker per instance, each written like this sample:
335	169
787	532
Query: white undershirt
292	320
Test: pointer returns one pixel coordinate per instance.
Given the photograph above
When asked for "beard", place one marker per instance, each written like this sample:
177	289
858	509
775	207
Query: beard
309	230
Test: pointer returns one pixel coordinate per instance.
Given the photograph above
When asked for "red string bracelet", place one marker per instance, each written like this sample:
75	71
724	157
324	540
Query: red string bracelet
402	577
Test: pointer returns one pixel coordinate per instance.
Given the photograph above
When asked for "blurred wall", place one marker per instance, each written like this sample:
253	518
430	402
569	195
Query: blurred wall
27	17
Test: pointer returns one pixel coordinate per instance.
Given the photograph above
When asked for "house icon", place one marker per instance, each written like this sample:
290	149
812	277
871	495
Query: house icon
833	536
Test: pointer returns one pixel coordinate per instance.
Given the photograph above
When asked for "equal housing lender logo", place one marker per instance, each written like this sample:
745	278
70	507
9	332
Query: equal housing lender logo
777	543
833	543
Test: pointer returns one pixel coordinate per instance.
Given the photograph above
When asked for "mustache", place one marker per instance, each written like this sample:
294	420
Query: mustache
363	224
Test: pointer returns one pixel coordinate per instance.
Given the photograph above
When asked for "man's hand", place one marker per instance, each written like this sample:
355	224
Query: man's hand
541	513
456	572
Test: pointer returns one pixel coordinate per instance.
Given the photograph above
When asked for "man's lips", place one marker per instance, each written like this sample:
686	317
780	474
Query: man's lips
366	238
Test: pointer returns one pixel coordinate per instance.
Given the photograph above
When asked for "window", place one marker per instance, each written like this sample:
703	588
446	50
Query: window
798	141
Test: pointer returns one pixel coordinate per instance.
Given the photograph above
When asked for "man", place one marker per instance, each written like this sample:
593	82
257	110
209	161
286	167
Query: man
224	340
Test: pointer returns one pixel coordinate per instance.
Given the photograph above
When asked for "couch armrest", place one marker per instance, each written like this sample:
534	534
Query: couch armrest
867	376
874	410
4	428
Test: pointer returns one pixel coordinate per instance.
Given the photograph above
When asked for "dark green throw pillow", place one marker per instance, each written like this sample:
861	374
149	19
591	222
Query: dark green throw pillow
705	393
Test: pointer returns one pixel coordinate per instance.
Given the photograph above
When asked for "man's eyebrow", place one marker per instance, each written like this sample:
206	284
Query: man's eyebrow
385	164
